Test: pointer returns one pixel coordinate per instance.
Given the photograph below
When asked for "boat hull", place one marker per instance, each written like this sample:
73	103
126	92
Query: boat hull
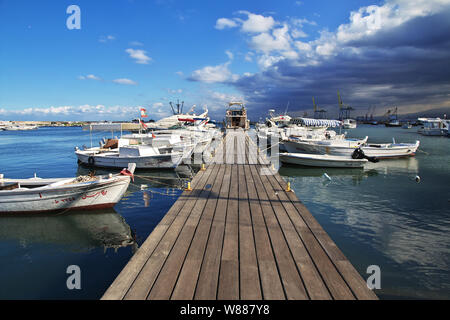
324	161
169	161
323	147
381	151
103	194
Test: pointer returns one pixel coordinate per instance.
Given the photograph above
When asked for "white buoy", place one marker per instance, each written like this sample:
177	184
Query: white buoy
327	176
417	179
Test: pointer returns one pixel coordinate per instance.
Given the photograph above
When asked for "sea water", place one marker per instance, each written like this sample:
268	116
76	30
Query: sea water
381	216
378	216
36	250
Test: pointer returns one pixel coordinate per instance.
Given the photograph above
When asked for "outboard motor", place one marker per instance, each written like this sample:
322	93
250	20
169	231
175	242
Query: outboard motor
359	154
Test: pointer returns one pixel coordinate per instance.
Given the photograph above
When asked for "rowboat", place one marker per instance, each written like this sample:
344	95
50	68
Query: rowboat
323	146
390	150
84	192
144	156
322	160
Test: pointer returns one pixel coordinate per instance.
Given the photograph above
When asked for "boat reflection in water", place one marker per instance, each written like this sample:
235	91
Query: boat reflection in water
78	230
381	215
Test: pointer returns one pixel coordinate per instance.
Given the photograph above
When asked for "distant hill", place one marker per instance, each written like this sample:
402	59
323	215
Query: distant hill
432	113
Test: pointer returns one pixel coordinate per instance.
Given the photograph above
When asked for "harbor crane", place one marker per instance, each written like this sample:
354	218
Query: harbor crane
344	110
318	113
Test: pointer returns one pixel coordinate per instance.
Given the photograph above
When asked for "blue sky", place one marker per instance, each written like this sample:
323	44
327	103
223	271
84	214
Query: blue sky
131	53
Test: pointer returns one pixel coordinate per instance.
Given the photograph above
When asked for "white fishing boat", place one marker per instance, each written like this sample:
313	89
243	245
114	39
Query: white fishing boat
236	116
19	127
144	156
349	124
348	146
157	152
390	150
434	126
277	129
322	160
83	192
323	146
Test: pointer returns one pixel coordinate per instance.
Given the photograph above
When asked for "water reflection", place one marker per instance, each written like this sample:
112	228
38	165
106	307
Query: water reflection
78	230
381	215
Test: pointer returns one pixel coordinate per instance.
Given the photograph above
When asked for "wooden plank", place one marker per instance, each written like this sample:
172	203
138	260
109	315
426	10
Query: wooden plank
187	280
209	273
272	289
291	280
248	267
124	280
312	280
319	238
241	148
165	282
145	279
252	151
229	156
228	288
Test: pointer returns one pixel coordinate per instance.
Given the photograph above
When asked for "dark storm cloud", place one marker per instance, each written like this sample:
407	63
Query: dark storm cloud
407	64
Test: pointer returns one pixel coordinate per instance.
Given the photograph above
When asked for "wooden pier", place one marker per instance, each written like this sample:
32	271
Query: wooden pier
238	234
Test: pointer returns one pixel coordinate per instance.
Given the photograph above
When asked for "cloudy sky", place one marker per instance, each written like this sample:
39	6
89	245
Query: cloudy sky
270	54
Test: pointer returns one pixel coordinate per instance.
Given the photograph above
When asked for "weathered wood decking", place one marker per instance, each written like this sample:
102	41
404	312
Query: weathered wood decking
238	235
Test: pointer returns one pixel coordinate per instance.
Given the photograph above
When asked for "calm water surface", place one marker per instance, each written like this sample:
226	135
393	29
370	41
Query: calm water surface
381	216
377	216
35	251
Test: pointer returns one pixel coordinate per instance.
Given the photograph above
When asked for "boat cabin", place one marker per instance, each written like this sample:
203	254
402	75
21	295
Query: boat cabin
236	116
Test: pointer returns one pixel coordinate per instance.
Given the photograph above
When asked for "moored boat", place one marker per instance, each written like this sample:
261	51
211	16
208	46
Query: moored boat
390	150
323	146
322	160
349	124
83	192
144	156
434	126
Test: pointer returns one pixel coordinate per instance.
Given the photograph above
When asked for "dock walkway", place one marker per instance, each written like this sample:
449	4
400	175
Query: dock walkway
238	235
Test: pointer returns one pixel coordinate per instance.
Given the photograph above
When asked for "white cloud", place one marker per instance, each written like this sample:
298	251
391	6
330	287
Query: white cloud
179	73
174	91
265	61
298	33
224	23
257	23
279	40
213	74
139	55
136	44
89	77
229	54
125	81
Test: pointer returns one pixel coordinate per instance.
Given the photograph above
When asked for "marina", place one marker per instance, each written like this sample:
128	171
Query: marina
225	158
310	185
214	243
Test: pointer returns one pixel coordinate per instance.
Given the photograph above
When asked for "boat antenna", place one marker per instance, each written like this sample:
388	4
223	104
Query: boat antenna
285	111
182	105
